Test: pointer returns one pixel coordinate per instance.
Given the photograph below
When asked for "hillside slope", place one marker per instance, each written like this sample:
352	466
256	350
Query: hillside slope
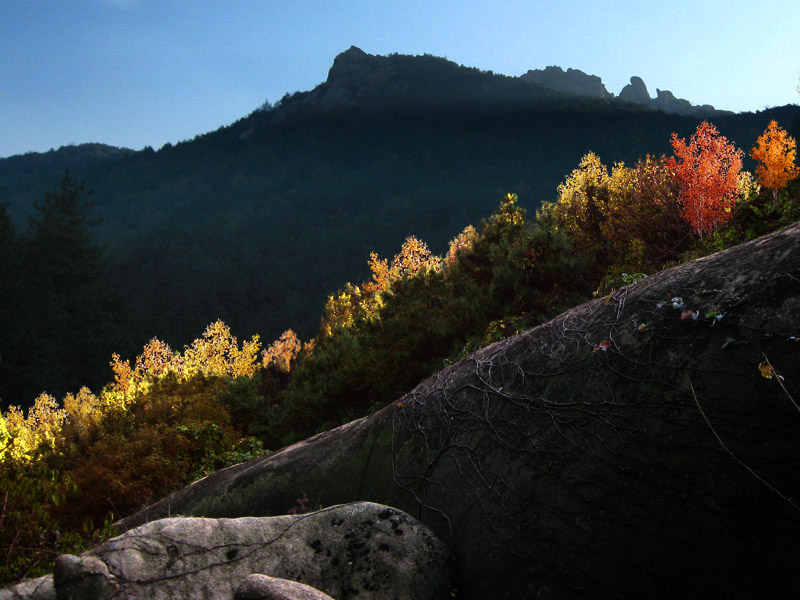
642	444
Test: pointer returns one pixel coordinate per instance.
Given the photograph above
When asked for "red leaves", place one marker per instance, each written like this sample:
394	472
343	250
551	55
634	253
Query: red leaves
707	170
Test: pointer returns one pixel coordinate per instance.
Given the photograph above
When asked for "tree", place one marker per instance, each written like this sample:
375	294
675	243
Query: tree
707	171
580	209
643	227
66	314
775	150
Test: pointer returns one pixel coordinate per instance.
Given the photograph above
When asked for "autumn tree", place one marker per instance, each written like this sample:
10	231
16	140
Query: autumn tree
707	171
643	226
775	149
581	206
282	352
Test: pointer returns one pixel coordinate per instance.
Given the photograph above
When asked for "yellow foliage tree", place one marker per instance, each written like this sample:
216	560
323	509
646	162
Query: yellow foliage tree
39	430
414	259
576	195
346	306
282	352
84	410
775	150
216	353
463	242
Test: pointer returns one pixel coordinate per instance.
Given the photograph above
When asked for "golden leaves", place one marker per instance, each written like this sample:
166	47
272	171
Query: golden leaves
775	150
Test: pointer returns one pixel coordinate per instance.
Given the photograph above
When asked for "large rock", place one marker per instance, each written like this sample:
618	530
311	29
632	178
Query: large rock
644	444
41	588
354	551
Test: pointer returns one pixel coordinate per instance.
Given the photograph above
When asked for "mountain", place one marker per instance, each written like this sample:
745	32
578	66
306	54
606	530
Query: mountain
258	222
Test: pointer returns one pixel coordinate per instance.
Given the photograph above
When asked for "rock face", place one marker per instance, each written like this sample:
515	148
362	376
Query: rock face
573	81
633	446
356	75
635	91
354	551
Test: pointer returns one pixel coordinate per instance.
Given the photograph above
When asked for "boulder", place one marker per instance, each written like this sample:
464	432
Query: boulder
41	588
644	444
353	551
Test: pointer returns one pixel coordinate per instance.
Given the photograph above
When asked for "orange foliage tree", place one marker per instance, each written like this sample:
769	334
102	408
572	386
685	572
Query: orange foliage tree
707	171
775	150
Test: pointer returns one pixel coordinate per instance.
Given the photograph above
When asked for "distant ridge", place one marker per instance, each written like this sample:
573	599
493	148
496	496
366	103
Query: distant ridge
359	79
575	81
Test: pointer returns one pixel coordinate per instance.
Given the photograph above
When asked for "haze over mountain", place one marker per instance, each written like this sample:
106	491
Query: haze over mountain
259	221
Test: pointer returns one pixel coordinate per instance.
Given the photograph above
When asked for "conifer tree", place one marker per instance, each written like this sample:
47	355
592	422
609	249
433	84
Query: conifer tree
65	313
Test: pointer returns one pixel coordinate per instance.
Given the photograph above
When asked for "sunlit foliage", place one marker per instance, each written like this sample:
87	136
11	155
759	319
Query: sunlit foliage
643	226
707	171
463	242
70	468
354	303
282	352
216	353
628	220
775	150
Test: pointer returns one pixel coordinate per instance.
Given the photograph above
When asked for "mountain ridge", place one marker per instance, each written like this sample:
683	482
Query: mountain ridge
293	198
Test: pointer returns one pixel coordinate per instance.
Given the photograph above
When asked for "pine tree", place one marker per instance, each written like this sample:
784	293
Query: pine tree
65	311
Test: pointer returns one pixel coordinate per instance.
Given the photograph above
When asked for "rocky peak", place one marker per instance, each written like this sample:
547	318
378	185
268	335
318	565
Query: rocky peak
572	81
355	75
635	91
347	63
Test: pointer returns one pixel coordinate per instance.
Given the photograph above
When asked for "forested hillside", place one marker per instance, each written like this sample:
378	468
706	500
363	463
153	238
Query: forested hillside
258	222
167	416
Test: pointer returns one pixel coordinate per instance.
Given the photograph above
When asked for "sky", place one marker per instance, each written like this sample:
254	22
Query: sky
138	73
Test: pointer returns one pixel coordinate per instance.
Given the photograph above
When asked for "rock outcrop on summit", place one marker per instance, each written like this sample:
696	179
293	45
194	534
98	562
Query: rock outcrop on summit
572	81
636	92
357	78
644	444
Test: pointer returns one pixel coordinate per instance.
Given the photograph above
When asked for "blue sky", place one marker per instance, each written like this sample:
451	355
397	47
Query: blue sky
145	72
